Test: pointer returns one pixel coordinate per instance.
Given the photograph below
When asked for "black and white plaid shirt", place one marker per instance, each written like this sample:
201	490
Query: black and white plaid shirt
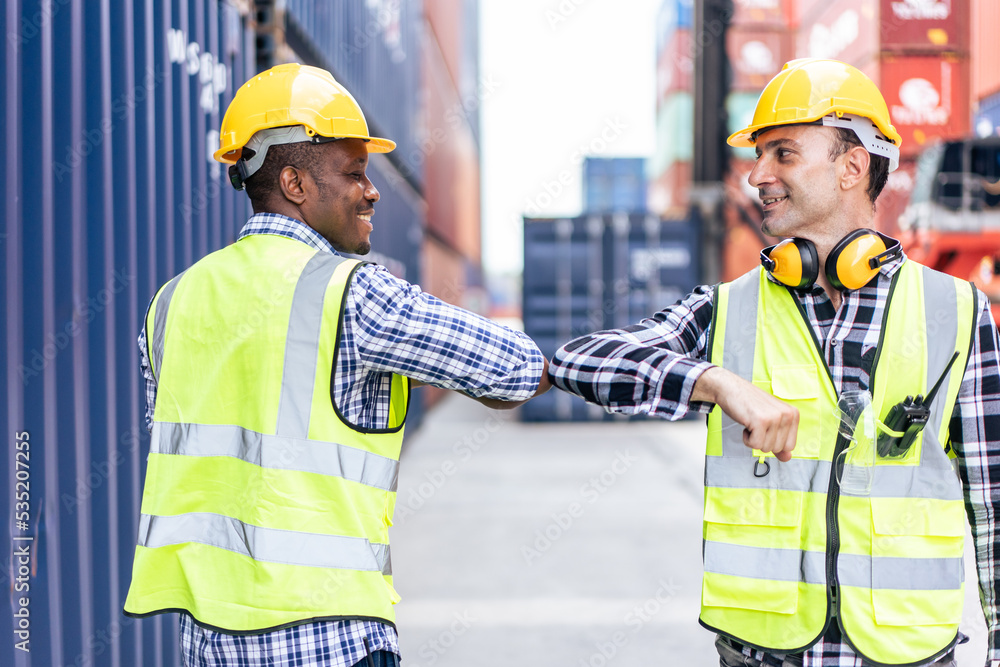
651	367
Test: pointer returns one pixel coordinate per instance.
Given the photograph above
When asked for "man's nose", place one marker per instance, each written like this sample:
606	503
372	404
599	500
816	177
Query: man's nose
761	173
371	193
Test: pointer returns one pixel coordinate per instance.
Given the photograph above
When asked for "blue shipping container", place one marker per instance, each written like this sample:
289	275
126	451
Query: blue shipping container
673	14
373	48
612	185
987	119
112	110
599	272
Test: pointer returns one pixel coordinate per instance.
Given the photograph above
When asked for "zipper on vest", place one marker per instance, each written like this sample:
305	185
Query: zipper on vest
833	526
833	490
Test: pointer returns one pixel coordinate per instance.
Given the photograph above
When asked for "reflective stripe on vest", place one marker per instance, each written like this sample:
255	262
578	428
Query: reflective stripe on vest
897	551
277	452
155	347
262	507
265	544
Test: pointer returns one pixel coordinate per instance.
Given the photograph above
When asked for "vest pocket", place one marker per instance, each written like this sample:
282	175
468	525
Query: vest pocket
776	597
917	567
752	549
798	386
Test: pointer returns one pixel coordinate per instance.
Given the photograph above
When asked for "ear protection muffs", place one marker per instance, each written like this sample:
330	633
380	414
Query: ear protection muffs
792	262
852	263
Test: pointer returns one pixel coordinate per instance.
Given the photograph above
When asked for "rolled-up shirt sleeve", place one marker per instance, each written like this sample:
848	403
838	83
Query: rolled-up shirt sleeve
975	435
402	329
650	367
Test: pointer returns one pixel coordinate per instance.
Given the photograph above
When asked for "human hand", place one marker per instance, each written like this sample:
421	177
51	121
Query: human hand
769	424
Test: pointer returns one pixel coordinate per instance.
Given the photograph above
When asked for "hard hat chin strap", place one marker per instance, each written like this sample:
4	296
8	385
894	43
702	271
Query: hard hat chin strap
263	140
868	133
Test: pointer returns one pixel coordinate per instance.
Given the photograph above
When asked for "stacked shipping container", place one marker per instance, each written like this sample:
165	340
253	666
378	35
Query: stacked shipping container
112	110
985	73
614	185
918	53
449	150
111	113
598	272
758	43
449	141
670	166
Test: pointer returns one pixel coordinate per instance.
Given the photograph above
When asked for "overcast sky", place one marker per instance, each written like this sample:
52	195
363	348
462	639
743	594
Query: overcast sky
572	78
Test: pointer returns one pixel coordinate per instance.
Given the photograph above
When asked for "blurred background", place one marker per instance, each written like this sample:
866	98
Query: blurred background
561	167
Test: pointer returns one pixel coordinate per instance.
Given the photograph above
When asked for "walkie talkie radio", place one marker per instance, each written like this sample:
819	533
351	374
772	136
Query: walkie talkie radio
908	418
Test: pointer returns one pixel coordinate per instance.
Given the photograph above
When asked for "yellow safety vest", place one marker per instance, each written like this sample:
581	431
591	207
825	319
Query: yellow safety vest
263	507
790	552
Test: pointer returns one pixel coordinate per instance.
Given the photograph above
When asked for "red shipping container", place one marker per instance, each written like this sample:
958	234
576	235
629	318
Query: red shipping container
894	197
743	238
669	194
985	48
844	30
675	67
448	151
769	13
926	25
805	11
928	98
756	56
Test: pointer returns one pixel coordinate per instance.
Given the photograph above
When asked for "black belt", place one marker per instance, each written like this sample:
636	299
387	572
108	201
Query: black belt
770	660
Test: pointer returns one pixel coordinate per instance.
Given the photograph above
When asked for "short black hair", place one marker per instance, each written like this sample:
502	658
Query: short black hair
878	169
263	184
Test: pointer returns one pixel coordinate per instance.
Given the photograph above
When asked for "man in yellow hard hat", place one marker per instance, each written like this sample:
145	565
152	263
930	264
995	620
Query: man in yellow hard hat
278	375
844	385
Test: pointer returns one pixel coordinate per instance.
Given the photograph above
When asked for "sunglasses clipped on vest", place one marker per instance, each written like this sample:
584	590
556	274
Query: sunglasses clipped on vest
852	263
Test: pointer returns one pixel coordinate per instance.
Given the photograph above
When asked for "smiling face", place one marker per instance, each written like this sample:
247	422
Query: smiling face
797	182
341	199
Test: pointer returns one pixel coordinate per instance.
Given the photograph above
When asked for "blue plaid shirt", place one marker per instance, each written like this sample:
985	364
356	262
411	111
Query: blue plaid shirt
389	326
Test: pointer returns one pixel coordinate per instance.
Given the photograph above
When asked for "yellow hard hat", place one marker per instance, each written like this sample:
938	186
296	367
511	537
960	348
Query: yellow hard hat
293	95
810	90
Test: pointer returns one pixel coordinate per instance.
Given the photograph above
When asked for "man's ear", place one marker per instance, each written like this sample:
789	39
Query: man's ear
856	166
290	180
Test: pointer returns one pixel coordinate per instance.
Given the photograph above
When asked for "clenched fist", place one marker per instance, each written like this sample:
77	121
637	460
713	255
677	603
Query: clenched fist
769	424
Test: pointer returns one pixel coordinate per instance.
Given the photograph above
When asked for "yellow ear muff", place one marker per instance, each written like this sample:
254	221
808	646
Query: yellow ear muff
792	262
856	259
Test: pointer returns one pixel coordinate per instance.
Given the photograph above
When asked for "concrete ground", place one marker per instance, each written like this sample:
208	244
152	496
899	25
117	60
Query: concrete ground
574	545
